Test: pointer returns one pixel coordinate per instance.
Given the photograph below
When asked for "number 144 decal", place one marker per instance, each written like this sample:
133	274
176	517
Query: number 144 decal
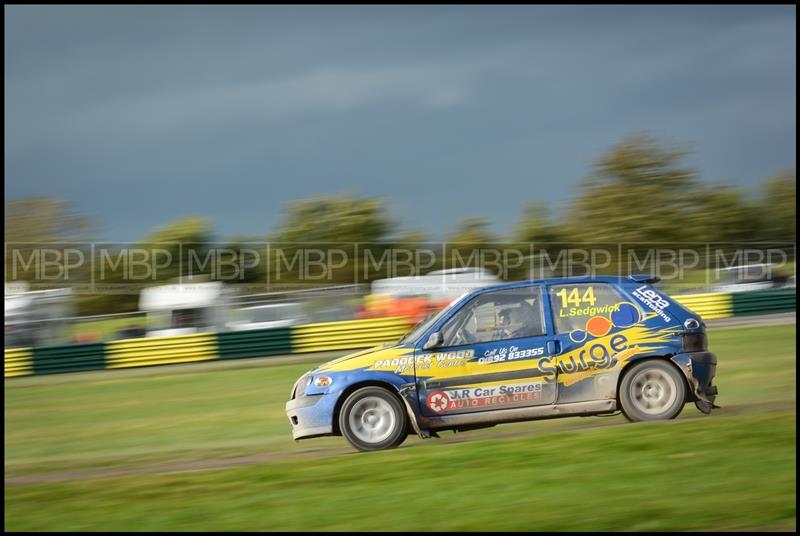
575	298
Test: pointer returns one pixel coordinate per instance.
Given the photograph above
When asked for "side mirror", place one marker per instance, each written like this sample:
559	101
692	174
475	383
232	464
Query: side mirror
433	341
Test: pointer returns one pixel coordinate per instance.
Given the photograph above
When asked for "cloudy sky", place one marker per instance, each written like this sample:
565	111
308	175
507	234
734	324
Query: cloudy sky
139	115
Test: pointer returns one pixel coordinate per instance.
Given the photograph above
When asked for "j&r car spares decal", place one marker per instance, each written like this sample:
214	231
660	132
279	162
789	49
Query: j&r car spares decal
447	400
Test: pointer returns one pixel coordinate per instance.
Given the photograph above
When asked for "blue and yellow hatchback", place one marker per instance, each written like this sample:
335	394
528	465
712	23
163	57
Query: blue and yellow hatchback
516	352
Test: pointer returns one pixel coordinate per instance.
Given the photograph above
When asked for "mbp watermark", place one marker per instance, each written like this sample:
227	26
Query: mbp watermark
45	263
264	266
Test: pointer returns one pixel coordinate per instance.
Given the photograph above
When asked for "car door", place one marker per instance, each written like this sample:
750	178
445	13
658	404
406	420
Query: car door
496	353
598	331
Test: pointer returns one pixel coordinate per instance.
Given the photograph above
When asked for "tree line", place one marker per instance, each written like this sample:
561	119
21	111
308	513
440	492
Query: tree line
639	191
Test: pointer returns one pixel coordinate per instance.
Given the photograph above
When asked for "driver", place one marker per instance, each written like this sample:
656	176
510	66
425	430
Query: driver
512	323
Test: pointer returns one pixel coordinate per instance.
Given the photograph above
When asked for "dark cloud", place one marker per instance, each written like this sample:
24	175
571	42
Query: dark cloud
140	114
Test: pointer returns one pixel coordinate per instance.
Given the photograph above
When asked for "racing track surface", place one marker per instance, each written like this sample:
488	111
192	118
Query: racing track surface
309	449
573	424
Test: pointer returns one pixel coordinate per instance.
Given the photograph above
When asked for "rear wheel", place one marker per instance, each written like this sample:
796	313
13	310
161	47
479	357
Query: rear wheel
652	390
373	418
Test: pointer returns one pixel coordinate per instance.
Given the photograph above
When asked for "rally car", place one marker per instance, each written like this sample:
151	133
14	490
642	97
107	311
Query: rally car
516	352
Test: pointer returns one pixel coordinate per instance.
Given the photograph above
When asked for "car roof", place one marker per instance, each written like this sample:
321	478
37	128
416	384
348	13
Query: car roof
610	279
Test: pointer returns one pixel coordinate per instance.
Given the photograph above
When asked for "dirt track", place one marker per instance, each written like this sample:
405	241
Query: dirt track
574	424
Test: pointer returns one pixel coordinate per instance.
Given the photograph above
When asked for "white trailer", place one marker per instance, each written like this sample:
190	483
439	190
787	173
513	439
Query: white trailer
36	317
185	308
438	285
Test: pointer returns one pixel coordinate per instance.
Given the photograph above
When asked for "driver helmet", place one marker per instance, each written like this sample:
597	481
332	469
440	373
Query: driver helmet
511	320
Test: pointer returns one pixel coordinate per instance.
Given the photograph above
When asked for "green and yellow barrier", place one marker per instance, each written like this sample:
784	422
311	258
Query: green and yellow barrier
348	335
161	350
254	343
18	362
708	306
69	358
321	337
778	300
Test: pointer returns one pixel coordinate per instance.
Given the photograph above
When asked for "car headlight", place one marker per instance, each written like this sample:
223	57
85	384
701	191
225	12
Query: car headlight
301	385
322	381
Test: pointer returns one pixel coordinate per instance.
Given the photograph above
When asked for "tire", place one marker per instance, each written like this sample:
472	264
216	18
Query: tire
372	418
653	390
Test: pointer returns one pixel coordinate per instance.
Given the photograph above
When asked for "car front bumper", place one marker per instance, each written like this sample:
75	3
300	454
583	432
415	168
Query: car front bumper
699	369
311	415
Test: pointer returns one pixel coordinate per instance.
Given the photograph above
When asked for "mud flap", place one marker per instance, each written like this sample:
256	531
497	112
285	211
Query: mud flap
699	369
412	416
704	405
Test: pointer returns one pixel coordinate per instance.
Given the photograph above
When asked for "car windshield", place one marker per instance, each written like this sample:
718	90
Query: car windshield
417	331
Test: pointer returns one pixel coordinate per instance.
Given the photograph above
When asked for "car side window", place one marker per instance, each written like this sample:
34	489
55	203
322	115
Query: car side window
505	314
574	305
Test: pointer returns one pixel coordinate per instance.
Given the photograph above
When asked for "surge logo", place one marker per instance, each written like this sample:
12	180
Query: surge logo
598	355
604	354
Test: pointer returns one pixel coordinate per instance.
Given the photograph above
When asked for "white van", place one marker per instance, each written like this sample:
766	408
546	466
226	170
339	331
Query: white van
275	315
185	308
437	285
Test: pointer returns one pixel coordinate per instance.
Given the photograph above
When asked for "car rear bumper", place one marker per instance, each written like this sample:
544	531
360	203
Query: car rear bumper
311	416
699	369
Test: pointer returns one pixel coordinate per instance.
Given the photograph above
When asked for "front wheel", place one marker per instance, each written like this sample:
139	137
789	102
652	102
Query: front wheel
652	390
372	418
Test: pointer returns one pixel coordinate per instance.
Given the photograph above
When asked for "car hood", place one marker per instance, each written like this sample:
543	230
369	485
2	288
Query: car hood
375	358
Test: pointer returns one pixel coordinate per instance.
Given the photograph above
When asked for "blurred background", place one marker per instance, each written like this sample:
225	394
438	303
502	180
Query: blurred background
258	189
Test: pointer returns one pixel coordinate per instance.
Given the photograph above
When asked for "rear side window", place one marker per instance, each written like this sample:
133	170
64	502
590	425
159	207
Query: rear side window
574	305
